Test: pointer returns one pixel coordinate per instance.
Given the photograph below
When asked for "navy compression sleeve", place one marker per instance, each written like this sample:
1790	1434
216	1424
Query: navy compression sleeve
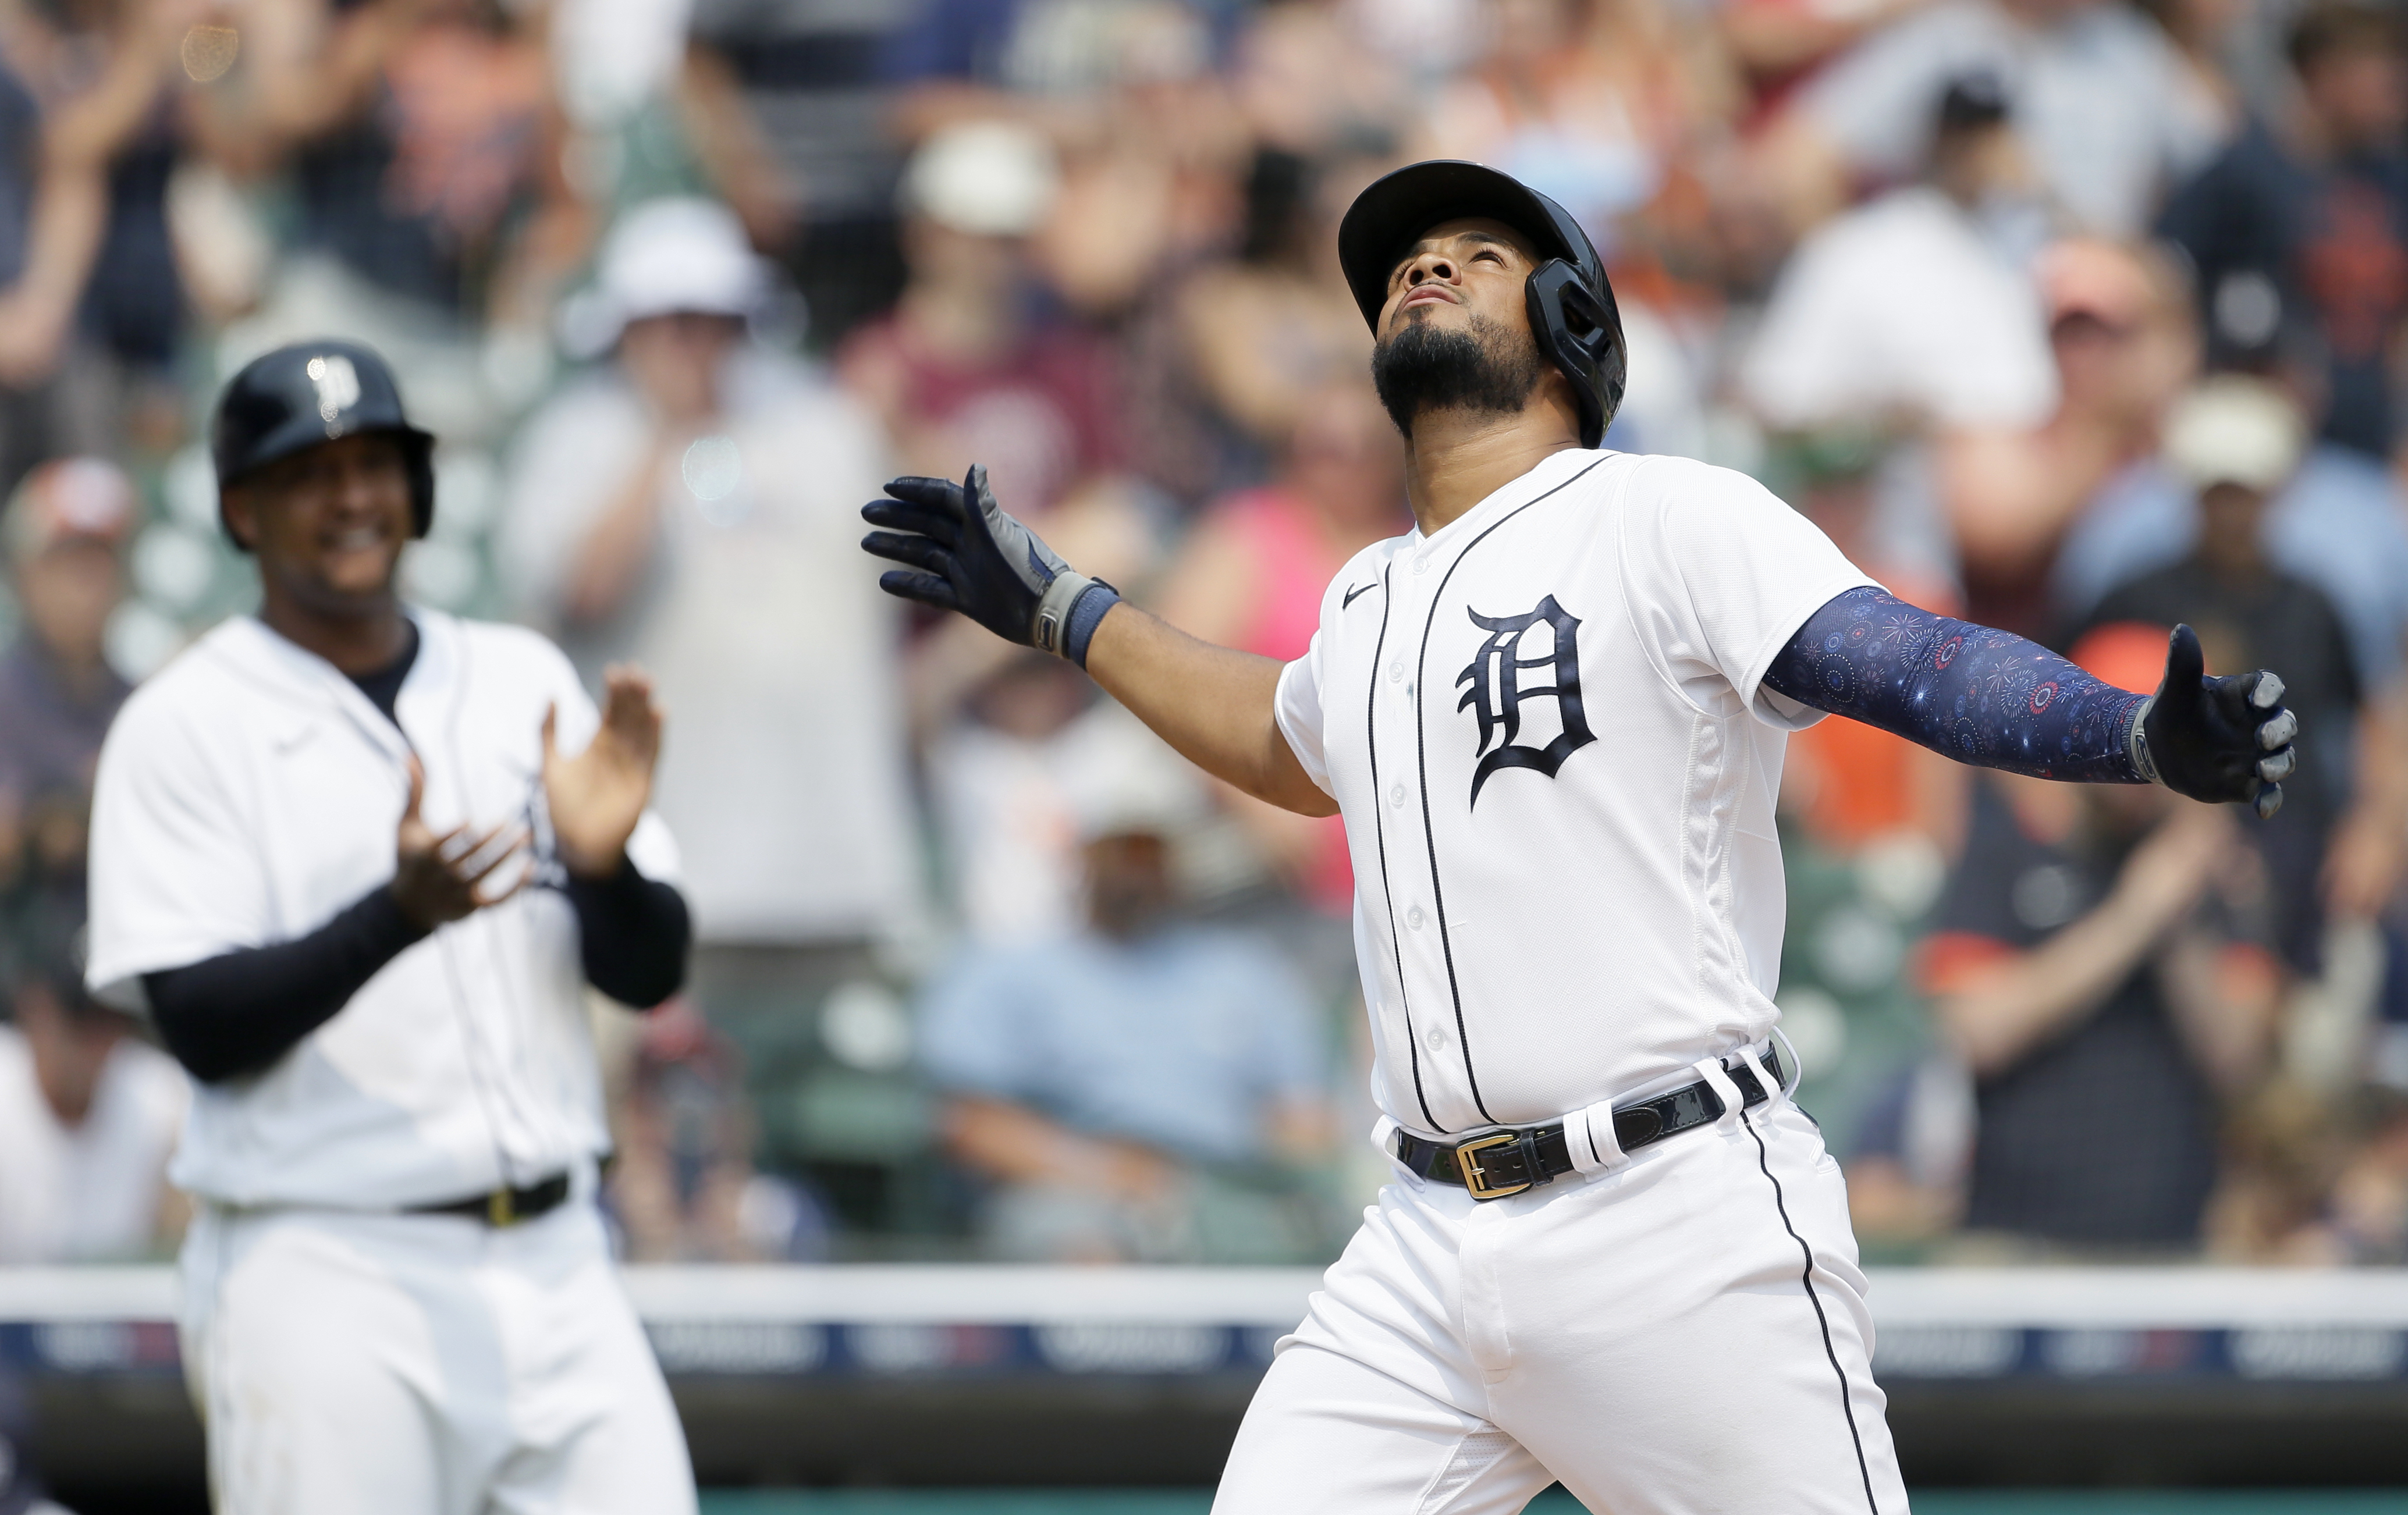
237	1012
1981	695
634	932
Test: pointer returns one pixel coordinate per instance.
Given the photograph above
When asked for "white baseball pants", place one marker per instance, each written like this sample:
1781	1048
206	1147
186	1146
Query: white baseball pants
1654	1335
417	1365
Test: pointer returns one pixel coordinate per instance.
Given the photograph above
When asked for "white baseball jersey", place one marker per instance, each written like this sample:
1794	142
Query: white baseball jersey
1543	727
248	793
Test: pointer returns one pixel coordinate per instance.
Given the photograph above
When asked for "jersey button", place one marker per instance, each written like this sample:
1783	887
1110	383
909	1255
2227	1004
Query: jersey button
1414	918
1396	668
1434	1040
1421	564
1396	793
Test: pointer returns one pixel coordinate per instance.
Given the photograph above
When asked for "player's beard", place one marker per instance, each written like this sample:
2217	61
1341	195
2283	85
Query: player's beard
1487	370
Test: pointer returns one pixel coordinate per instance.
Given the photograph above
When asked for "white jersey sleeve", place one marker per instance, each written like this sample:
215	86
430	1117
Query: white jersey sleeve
1719	575
1297	705
175	875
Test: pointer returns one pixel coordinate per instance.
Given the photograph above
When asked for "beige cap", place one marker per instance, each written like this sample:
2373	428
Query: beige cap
2233	429
69	497
987	177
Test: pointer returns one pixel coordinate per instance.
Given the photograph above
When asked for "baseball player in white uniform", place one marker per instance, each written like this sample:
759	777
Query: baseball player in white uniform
357	862
1553	718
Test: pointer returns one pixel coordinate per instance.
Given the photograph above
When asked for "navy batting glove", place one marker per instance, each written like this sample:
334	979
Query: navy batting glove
972	557
2222	740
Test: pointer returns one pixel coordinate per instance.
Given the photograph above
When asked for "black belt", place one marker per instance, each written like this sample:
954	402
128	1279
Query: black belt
506	1207
1504	1163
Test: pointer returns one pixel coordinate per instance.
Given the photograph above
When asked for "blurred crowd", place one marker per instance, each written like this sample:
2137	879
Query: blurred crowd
2077	317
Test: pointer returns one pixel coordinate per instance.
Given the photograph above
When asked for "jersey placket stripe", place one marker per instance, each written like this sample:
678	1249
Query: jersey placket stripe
1421	748
1380	835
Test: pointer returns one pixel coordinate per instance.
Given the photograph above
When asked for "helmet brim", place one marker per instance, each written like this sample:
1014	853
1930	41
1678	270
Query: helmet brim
1388	218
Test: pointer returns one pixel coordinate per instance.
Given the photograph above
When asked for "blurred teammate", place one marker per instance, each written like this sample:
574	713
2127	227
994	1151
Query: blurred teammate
1553	719
358	861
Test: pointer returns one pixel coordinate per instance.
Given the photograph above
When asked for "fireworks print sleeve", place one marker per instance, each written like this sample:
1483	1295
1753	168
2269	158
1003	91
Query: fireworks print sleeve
1981	695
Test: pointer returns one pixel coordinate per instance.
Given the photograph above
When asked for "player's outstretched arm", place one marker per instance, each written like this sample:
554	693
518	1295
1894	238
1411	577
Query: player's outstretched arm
961	552
1995	700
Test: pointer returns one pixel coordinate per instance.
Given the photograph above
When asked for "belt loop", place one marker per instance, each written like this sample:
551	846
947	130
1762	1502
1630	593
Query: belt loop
1710	1069
1589	1137
1797	1068
1773	1093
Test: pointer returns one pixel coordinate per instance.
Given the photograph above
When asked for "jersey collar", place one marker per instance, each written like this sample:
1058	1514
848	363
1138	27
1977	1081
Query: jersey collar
1548	473
294	673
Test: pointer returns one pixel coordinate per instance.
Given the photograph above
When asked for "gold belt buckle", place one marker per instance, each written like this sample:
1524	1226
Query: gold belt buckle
501	1209
1473	1178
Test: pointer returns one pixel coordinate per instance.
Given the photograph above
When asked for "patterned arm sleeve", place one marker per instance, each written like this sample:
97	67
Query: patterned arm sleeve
1981	695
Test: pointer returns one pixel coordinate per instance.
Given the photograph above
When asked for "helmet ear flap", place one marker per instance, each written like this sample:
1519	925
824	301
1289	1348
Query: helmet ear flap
420	463
1580	330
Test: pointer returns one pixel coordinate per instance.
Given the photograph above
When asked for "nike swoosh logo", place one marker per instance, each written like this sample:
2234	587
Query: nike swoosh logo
1360	588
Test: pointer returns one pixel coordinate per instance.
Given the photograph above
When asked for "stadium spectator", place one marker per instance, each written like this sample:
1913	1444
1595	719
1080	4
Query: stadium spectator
1140	1090
2299	229
969	367
1146	160
2119	325
1915	309
682	1183
965	371
2109	114
1777	45
1580	100
2099	965
812	76
1000	794
1323	79
63	531
1267	328
2237	441
659	93
90	302
2366	1218
412	135
1253	573
689	502
89	1115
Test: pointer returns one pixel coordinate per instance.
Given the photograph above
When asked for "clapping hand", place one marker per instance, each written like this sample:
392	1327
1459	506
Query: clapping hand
596	798
439	879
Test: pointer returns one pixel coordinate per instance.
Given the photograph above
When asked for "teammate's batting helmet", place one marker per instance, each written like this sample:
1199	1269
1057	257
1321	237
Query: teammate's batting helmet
1572	312
304	396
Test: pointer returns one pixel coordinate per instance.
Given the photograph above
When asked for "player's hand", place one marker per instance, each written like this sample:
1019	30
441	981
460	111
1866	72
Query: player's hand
2222	740
598	796
440	878
972	557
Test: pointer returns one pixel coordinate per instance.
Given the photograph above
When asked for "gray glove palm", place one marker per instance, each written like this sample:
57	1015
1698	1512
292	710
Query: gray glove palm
972	557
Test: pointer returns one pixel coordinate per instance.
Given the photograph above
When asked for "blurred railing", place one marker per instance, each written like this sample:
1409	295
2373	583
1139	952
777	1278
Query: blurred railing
973	1374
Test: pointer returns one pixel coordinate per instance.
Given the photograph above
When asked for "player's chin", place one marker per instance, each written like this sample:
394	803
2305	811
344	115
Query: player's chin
1424	313
358	572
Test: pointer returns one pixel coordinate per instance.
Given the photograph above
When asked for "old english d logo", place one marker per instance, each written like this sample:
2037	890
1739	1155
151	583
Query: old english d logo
1496	695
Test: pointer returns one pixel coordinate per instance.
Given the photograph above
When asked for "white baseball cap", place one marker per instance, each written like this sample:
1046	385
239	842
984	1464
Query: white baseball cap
664	257
2233	429
1122	779
987	177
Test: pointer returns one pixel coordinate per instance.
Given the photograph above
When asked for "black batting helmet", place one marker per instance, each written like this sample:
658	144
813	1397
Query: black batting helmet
309	393
1573	313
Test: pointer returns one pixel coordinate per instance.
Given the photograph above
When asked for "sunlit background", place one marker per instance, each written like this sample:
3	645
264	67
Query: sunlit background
2075	317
